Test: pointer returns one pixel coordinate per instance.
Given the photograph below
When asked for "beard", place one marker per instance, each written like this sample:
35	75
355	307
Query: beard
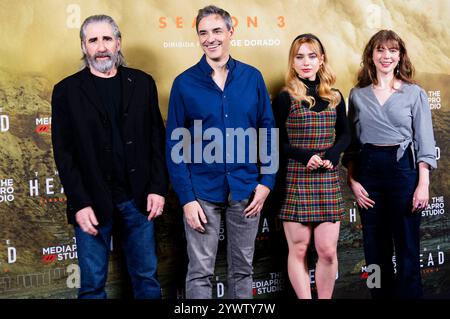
103	66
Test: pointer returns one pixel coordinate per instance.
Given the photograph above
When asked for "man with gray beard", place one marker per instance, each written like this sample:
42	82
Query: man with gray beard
108	142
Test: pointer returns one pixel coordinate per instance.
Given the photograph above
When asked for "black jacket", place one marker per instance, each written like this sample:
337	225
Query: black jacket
82	142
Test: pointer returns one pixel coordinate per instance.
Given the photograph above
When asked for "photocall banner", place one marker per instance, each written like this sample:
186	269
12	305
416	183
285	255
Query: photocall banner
41	46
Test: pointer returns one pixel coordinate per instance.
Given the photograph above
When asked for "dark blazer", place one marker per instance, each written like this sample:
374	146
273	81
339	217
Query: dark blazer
82	142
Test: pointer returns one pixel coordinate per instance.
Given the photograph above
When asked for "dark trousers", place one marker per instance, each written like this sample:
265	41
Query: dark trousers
390	224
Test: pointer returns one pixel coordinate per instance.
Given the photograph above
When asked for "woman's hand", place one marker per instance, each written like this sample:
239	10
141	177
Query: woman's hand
314	163
327	164
362	197
420	198
421	195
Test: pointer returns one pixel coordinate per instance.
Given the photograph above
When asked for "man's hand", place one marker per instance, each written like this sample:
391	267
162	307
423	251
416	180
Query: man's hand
195	216
155	205
86	220
255	207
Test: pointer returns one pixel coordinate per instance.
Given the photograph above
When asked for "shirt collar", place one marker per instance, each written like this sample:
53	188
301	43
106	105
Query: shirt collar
207	69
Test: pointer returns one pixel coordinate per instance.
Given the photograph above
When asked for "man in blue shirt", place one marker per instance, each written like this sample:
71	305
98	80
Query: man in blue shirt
219	112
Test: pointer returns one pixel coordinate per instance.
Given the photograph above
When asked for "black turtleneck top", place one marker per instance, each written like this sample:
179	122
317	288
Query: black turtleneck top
281	107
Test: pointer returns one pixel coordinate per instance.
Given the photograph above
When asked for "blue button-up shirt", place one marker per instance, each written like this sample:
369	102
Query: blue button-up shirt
203	124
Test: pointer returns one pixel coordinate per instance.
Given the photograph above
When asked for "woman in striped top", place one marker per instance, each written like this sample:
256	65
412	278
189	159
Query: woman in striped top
388	161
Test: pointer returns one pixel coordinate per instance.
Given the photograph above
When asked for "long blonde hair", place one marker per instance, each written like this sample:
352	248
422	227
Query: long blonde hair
296	88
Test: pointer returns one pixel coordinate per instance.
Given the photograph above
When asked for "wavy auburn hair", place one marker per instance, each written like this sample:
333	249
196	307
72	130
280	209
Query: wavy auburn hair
404	70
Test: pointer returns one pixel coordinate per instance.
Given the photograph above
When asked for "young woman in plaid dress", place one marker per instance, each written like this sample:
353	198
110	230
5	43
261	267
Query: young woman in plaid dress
314	131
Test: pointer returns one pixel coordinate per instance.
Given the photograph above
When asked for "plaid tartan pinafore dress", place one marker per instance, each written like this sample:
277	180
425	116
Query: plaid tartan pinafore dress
311	196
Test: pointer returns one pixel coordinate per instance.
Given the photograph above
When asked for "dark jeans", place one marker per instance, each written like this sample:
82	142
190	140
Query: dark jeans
390	223
138	241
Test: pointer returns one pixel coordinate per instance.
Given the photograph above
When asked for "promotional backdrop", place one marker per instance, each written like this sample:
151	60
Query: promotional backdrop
40	46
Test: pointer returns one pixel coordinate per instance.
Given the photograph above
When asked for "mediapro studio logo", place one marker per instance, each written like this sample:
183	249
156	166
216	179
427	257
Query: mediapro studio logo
60	252
43	125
